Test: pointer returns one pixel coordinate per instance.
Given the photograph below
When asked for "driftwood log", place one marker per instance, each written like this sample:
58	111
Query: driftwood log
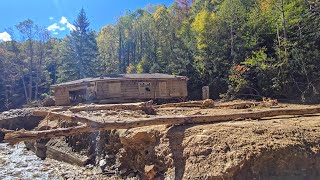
204	103
147	107
239	105
18	136
52	116
209	103
144	106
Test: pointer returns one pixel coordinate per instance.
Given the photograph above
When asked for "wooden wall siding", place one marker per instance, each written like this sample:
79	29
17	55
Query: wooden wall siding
114	89
102	90
163	90
146	89
61	96
178	88
130	89
184	88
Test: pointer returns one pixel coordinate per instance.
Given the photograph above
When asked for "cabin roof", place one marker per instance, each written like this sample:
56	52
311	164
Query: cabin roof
146	76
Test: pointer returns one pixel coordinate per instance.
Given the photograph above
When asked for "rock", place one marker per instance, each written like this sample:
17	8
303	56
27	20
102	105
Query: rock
89	166
208	103
109	156
131	175
123	171
49	101
102	162
150	172
98	171
24	165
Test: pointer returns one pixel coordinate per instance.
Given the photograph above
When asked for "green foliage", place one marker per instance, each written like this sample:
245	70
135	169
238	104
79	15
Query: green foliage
241	48
237	78
258	59
79	52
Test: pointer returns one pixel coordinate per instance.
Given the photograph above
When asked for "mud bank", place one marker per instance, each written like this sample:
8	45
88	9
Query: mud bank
276	149
280	148
285	147
19	119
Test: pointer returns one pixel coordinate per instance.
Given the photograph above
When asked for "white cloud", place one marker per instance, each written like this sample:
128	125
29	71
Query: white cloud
71	27
63	20
63	25
55	33
4	36
51	18
53	27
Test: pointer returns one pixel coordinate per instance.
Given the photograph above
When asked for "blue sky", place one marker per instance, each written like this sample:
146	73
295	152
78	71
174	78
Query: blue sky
63	12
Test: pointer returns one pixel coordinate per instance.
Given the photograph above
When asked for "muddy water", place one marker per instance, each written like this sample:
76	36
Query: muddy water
17	162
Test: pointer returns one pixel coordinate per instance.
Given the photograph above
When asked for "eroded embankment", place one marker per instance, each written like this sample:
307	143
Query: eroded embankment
19	119
282	148
278	148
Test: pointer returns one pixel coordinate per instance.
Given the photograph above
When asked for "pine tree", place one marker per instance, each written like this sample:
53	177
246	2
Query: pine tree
80	52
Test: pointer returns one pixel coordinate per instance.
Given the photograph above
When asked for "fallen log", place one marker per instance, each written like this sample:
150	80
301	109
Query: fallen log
18	136
239	105
144	106
23	135
63	117
204	103
59	109
210	104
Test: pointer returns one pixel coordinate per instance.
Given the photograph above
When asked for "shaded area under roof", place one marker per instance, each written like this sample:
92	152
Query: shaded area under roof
121	76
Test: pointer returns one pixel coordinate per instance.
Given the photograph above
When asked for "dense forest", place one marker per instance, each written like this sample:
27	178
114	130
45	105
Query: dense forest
240	48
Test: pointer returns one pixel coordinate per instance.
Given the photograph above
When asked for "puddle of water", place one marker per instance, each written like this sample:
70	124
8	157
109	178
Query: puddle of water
19	163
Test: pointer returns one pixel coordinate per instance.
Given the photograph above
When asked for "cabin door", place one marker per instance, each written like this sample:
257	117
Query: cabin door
145	90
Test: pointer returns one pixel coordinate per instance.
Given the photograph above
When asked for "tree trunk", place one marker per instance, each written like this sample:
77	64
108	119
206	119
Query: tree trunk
37	82
283	20
120	52
25	88
30	71
232	45
284	28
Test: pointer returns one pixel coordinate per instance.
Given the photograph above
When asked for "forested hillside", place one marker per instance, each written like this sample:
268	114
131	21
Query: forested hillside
240	48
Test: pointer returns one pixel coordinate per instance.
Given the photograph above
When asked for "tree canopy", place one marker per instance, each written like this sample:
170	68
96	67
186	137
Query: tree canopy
240	48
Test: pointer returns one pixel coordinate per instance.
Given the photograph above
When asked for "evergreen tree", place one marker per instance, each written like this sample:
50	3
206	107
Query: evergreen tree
80	52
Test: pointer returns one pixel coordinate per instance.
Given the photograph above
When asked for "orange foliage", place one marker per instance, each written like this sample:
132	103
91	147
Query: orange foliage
265	5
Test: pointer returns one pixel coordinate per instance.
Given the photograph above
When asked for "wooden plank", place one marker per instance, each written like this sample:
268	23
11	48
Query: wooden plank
65	157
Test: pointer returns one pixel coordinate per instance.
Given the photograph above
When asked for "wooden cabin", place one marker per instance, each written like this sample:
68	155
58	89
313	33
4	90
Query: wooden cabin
122	88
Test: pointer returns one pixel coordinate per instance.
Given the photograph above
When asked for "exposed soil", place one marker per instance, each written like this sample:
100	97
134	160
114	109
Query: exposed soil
286	147
273	149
